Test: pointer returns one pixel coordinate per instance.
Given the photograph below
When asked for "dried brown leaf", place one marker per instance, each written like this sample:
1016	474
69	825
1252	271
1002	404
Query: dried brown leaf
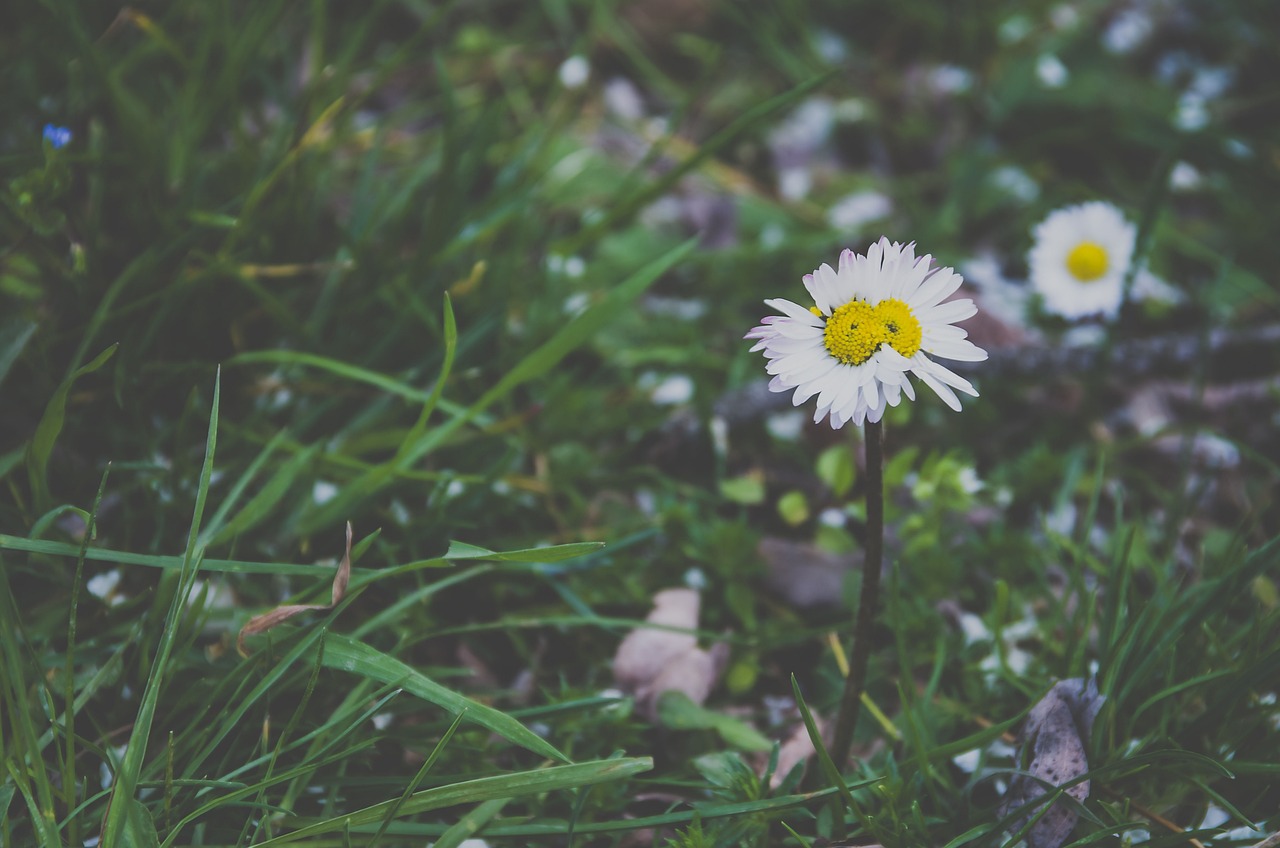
805	575
266	621
796	748
650	662
645	652
1053	748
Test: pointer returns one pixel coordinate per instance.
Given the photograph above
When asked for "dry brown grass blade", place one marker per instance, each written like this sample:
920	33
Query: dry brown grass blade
266	621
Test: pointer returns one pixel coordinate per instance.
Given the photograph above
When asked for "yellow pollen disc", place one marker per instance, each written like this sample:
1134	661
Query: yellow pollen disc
854	332
1087	261
901	327
816	311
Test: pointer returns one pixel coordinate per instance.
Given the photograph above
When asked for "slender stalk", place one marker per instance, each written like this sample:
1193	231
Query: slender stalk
868	598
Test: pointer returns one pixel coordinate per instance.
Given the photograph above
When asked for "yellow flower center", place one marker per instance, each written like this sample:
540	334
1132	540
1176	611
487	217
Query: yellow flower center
856	330
1087	261
902	328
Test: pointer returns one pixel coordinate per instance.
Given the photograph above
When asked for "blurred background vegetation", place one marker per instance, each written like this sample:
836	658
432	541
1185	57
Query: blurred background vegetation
290	191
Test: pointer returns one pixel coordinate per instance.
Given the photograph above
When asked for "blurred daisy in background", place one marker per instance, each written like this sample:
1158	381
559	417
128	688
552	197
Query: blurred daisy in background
1079	260
874	320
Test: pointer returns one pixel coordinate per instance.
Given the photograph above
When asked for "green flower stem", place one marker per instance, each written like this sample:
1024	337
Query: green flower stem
868	598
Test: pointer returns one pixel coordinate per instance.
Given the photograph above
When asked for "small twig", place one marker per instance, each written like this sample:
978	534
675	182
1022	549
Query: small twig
1272	841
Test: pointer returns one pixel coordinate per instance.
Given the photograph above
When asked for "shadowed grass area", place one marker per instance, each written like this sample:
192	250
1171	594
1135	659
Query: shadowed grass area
475	276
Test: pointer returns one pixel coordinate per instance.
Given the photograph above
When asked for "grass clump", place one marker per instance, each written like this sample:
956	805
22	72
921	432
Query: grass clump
396	265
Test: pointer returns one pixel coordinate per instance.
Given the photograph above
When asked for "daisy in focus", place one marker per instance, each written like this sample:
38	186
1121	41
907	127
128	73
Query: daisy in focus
875	319
1079	260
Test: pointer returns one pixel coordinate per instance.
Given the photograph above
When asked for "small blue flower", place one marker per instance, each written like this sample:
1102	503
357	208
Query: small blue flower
57	136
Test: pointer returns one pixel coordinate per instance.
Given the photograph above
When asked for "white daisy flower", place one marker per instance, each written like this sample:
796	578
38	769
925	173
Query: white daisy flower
1079	259
875	319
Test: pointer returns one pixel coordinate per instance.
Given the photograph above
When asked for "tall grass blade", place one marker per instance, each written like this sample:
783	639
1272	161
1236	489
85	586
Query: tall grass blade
122	791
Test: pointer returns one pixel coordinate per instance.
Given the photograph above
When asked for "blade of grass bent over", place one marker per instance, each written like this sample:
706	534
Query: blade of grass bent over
122	794
347	654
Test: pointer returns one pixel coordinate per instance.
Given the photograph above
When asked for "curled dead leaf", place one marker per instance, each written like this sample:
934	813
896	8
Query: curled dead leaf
651	661
1053	754
645	651
268	620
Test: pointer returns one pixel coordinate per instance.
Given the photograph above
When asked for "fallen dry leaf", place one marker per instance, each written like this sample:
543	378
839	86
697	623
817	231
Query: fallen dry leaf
650	661
796	748
268	620
1053	751
803	574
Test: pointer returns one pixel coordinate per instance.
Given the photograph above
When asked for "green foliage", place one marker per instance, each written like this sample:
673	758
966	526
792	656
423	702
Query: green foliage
446	287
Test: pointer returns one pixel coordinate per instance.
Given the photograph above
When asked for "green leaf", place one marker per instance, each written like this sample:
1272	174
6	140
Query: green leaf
347	654
50	426
747	490
139	828
794	508
836	469
482	789
678	712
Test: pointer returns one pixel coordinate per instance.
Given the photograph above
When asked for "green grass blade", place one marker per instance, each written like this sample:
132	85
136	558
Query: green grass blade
450	351
214	527
572	336
346	654
417	779
336	367
41	821
259	507
705	811
50	426
14	336
231	719
69	669
481	789
122	792
828	766
470	823
551	553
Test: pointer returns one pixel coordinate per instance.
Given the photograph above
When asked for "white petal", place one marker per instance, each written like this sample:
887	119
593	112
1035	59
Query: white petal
944	392
935	289
944	374
795	311
962	351
796	330
948	313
